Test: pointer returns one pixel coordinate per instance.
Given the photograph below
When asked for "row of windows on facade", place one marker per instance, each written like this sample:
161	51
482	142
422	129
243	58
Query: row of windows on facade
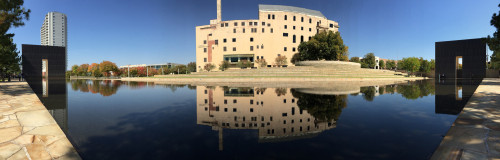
243	24
262	117
271	16
251	101
269	131
253	30
294	40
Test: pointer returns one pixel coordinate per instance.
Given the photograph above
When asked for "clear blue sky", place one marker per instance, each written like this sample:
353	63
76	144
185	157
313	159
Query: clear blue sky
158	31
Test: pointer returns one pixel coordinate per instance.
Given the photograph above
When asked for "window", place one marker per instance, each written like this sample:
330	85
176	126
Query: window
251	101
284	122
310	30
254	30
225	109
284	100
273	16
262	30
310	20
269	24
205	50
309	37
225	40
293	111
293	100
235	101
251	110
225	48
251	39
284	49
263	23
243	30
294	39
285	17
255	24
257	48
204	41
250	23
293	49
234	39
269	16
235	24
331	25
284	114
234	30
301	39
251	48
271	30
206	101
301	19
293	27
216	42
301	28
242	23
285	34
234	48
262	46
285	26
293	18
227	24
234	110
204	59
222	25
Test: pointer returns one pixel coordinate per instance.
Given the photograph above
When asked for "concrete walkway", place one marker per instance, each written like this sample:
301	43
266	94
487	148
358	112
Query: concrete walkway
475	134
27	130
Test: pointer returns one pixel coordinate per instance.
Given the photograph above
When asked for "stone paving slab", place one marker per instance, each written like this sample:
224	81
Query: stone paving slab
27	130
475	134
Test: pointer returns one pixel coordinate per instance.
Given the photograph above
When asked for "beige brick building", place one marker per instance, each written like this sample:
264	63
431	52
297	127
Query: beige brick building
278	31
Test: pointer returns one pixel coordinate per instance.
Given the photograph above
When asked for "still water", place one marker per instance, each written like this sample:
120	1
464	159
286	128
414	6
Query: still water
140	120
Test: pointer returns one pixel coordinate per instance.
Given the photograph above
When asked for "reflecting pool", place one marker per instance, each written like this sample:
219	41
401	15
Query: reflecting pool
144	120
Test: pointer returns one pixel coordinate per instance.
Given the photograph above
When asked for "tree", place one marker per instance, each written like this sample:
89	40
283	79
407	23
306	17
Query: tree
432	64
191	67
321	107
411	64
381	64
244	63
324	46
208	67
261	62
390	64
74	70
223	65
12	14
106	67
93	69
82	69
281	60
494	42
296	58
355	59
425	66
368	61
178	69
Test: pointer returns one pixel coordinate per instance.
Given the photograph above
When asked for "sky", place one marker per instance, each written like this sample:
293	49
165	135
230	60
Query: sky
160	31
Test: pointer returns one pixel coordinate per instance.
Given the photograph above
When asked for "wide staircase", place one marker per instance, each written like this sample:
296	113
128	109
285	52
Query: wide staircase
303	71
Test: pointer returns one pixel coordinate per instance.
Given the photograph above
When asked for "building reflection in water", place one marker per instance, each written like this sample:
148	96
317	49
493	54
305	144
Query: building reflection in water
53	93
279	114
453	94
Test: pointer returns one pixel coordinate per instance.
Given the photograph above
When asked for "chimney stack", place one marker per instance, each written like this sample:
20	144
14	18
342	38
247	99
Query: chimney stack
219	10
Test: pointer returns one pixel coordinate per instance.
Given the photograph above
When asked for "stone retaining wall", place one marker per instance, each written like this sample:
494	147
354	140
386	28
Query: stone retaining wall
338	64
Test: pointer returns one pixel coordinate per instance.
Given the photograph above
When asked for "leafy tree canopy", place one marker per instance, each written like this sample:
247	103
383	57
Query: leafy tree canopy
323	46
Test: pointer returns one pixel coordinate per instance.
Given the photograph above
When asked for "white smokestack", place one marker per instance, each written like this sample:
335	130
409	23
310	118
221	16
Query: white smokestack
219	11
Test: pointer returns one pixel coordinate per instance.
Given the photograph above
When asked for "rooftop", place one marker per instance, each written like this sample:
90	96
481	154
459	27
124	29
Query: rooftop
264	7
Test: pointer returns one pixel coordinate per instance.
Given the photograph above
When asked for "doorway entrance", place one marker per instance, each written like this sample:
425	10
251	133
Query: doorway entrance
458	66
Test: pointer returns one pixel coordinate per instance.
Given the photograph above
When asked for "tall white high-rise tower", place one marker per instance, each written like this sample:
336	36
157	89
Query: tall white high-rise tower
54	30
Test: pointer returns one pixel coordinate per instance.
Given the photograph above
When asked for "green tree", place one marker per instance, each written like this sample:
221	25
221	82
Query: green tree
432	64
494	42
244	63
179	69
355	59
381	64
74	70
223	65
368	61
390	64
425	66
411	64
261	62
191	67
82	69
12	14
324	46
324	108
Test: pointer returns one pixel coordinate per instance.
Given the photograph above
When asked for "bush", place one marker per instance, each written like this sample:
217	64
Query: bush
244	63
261	62
281	60
209	67
355	59
223	65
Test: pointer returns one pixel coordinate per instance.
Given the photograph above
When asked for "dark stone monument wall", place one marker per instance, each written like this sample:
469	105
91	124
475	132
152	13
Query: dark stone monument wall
32	56
473	52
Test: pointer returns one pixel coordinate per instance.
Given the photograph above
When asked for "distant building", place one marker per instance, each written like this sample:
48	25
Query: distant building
54	30
278	32
155	66
377	60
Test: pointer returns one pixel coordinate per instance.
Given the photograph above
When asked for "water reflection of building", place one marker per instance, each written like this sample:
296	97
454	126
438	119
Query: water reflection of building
452	94
55	99
272	111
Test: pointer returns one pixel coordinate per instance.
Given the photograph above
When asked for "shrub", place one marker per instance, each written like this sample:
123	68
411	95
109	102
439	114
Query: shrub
281	60
209	67
262	62
223	65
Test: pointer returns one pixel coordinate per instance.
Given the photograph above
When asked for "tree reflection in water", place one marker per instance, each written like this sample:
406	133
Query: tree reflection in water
324	108
110	87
